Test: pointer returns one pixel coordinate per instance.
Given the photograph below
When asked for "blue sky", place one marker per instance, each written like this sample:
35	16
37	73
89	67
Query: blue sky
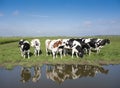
59	17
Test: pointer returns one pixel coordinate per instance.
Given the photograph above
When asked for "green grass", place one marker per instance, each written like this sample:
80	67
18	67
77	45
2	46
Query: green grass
10	53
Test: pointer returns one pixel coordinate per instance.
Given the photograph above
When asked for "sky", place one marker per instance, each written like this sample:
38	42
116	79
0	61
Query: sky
59	17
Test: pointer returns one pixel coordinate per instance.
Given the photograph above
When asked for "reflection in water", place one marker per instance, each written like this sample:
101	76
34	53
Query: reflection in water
59	73
37	74
26	74
61	76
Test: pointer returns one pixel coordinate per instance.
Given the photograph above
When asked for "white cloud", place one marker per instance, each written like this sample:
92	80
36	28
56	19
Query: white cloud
108	22
117	22
16	12
87	23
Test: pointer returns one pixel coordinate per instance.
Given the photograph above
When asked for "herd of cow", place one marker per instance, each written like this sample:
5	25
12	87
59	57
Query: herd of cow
74	46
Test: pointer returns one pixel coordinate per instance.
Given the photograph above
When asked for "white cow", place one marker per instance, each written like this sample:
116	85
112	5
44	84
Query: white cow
36	44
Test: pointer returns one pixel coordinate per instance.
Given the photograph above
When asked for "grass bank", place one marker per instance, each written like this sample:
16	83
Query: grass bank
10	54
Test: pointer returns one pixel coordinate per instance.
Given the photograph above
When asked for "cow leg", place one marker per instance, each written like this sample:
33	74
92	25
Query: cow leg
21	52
98	50
89	52
64	51
35	52
56	55
85	51
46	52
28	53
24	54
53	53
76	54
61	54
38	52
72	53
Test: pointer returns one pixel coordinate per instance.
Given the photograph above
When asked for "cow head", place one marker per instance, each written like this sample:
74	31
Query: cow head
80	51
35	42
21	42
81	54
107	41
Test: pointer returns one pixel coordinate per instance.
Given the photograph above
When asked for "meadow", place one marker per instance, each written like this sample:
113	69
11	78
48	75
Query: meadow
10	53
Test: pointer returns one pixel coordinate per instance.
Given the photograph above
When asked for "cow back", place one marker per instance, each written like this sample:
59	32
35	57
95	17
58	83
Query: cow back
26	46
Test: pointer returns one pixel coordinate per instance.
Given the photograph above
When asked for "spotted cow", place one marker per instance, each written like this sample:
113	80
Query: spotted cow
96	43
36	44
24	48
54	47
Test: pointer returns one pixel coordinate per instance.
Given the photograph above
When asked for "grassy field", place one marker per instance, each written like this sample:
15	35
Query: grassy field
10	54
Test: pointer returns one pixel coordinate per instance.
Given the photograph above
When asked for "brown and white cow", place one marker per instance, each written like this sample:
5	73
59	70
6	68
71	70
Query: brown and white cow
54	47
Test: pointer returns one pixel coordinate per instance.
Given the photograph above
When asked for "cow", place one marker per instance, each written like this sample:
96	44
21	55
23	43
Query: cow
96	43
90	44
77	46
77	49
66	48
36	44
24	48
54	47
85	46
47	44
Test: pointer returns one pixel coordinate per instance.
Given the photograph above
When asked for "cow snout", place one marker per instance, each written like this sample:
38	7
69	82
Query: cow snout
80	54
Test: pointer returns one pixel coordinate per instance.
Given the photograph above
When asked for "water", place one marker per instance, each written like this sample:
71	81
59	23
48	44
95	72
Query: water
61	76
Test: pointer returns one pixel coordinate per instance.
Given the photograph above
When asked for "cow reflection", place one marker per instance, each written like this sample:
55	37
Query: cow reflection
59	73
26	74
37	74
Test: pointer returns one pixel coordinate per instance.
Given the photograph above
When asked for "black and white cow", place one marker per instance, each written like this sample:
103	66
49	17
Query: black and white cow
86	45
76	47
96	43
67	47
24	48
